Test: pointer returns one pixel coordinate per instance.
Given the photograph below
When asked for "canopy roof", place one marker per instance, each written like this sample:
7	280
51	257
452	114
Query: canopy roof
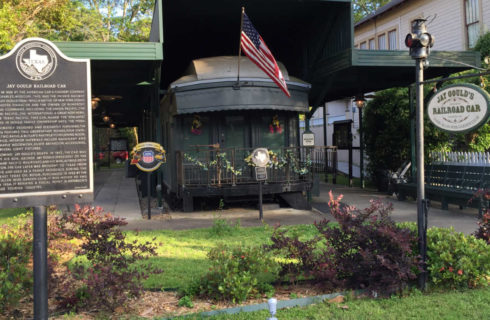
125	76
210	84
313	38
122	77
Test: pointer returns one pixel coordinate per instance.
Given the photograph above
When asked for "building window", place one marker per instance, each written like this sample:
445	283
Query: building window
392	40
472	22
382	42
372	44
363	45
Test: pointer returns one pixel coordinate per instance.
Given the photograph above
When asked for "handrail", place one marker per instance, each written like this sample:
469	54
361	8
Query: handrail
232	166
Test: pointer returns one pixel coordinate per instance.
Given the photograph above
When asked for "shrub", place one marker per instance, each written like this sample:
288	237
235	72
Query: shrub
15	269
367	250
303	259
221	227
237	273
456	260
108	276
483	231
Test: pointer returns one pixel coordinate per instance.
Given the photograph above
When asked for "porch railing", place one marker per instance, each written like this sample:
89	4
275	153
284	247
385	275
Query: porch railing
233	166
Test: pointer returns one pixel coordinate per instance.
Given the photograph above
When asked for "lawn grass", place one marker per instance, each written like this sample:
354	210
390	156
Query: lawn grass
467	304
182	255
343	179
7	215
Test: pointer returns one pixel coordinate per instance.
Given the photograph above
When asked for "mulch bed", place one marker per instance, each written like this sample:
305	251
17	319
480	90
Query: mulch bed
165	304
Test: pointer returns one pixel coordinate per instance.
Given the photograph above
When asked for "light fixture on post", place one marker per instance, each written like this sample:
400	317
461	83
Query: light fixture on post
112	125
360	102
106	119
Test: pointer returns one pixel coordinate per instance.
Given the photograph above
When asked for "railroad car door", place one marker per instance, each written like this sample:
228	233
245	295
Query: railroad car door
233	131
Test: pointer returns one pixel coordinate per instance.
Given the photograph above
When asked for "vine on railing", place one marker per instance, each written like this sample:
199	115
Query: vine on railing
276	161
196	162
226	164
295	163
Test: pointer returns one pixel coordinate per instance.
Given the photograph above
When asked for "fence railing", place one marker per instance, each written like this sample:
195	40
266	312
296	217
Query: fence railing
470	158
233	166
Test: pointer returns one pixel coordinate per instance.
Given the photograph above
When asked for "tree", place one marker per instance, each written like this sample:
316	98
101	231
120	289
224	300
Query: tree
362	8
387	133
50	19
20	19
124	20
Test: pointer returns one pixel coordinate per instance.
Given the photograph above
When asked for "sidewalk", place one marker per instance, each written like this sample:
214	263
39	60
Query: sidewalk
117	194
464	220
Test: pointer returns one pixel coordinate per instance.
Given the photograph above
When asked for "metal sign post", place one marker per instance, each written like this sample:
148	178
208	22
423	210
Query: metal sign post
260	157
40	267
260	176
420	41
148	157
148	191
45	112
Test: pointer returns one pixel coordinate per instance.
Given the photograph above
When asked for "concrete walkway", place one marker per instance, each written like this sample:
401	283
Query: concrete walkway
117	194
464	220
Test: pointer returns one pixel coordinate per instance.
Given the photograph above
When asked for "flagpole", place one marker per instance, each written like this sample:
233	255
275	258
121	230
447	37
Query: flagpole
237	85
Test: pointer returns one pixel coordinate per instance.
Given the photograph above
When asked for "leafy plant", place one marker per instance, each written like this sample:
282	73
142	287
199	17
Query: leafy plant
457	260
483	231
186	301
237	273
222	227
15	272
106	277
367	250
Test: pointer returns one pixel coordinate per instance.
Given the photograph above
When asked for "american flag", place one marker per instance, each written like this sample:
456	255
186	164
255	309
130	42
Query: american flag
255	48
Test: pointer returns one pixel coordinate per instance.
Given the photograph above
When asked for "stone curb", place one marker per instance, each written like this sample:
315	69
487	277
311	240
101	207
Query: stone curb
282	304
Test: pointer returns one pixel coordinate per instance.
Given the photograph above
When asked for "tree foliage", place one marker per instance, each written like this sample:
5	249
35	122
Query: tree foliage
362	8
124	20
61	20
79	20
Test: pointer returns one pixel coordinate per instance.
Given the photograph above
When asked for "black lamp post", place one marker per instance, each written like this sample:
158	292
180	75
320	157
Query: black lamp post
419	41
360	102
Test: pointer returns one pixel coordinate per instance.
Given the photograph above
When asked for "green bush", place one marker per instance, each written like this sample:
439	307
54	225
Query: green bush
237	273
15	272
457	260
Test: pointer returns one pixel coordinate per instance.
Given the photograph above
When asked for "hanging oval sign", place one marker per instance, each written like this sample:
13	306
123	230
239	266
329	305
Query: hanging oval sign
459	108
148	156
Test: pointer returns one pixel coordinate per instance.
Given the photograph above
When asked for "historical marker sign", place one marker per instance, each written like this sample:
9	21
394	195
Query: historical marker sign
45	126
459	108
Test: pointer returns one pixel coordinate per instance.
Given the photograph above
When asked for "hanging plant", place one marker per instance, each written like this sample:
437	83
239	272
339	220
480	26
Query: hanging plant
275	125
196	127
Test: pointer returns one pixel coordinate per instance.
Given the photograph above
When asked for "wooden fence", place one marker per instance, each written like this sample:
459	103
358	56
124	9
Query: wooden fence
470	158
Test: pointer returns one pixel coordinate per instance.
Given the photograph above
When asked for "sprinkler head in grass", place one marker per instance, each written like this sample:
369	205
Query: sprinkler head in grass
272	308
